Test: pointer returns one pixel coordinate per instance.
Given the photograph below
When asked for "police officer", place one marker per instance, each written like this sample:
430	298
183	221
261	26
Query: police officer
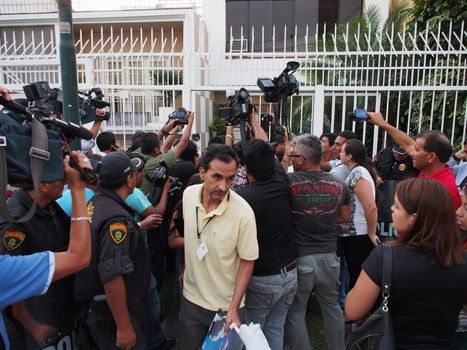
43	320
393	163
116	283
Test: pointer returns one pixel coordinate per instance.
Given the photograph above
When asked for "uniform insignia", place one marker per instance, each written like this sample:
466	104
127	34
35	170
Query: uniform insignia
13	239
402	167
118	232
90	209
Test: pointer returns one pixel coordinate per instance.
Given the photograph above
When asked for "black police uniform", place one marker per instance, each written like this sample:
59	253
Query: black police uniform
47	230
392	172
391	169
118	248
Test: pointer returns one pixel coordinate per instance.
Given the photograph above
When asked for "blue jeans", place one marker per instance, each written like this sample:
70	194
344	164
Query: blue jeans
153	330
267	300
344	277
318	273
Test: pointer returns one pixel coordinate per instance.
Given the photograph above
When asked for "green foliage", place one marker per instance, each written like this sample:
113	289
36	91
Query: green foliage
429	14
217	127
168	77
367	33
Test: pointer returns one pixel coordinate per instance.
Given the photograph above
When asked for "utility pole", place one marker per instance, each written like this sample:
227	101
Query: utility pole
68	70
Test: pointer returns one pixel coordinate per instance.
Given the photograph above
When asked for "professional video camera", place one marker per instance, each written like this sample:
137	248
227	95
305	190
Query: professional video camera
158	179
160	175
17	130
40	97
239	108
180	116
88	102
281	87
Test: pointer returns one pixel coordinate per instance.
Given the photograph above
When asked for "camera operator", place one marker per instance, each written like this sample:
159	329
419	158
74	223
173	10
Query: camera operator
154	152
48	317
257	132
275	271
28	276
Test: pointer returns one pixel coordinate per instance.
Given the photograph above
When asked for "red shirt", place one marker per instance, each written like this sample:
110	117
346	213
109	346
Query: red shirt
446	177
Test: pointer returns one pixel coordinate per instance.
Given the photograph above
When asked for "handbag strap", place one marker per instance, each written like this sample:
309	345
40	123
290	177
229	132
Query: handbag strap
39	155
387	271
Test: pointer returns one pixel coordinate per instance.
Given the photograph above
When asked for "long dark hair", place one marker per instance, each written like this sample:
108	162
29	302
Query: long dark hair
434	229
357	150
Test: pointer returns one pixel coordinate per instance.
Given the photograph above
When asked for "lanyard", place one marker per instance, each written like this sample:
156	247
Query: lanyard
198	232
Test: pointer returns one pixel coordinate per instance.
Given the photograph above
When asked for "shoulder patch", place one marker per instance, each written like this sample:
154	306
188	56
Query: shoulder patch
13	239
90	209
118	232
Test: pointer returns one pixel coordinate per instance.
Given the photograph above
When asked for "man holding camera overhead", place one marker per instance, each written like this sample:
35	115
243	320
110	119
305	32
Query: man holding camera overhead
152	150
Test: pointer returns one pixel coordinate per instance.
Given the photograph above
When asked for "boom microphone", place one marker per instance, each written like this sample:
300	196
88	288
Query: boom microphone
69	128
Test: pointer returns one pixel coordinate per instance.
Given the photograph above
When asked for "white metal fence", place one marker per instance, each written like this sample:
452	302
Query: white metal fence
48	6
417	78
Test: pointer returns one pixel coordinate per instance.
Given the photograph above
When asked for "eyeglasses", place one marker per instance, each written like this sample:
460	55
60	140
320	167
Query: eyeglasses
296	155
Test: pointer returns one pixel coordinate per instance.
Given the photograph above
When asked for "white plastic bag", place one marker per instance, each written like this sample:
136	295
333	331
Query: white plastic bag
252	336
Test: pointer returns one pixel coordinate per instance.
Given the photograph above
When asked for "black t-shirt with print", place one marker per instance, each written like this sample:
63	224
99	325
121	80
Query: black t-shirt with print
316	201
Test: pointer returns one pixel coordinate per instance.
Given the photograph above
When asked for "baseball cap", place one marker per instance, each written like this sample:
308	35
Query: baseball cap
399	150
138	163
116	167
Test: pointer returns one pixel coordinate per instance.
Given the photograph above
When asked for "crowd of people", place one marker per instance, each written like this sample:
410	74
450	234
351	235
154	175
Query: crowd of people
257	233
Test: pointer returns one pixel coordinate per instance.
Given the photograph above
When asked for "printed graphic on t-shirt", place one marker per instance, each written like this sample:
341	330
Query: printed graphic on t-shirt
315	197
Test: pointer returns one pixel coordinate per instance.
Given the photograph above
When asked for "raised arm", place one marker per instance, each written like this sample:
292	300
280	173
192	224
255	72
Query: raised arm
399	137
178	149
78	254
258	131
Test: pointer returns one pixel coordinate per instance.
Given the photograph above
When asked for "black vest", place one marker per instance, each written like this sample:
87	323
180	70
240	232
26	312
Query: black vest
107	205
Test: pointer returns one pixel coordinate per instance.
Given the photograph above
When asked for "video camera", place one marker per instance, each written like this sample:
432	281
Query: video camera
89	101
283	86
158	179
16	128
239	108
180	116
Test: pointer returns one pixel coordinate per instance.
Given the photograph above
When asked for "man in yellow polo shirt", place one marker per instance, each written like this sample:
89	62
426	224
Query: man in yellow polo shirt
220	247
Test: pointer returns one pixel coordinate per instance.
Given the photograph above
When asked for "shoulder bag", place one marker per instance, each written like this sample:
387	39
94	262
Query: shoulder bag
375	332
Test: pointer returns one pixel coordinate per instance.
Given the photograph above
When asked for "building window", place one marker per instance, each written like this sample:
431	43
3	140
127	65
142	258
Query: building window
269	25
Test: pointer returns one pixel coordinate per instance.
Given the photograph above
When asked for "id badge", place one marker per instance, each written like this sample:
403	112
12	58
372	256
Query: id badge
201	251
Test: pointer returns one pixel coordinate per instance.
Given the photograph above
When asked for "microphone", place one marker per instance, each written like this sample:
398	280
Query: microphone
69	128
16	107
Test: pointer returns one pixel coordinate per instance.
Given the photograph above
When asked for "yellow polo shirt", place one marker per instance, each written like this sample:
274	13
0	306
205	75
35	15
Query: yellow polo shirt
229	232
